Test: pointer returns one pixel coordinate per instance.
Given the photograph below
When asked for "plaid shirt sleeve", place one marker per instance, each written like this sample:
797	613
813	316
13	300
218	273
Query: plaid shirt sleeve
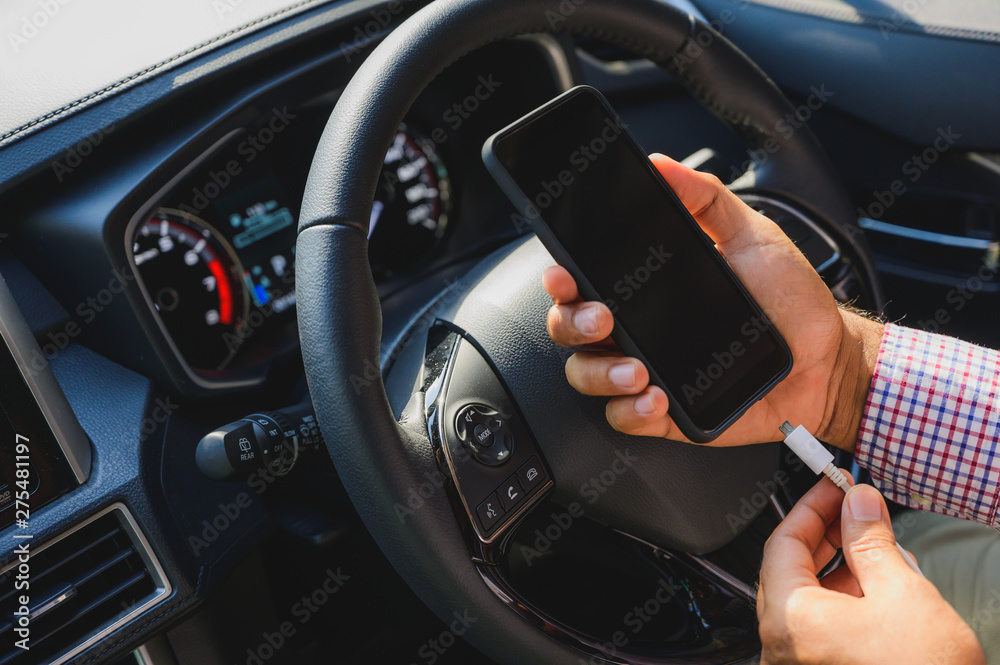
931	425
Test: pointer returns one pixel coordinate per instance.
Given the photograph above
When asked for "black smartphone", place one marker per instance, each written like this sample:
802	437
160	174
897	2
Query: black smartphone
600	207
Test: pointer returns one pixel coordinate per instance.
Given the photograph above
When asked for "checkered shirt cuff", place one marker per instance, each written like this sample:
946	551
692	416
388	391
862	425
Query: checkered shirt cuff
931	424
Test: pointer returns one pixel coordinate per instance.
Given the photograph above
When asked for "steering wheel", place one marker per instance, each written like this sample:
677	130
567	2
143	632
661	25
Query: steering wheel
493	435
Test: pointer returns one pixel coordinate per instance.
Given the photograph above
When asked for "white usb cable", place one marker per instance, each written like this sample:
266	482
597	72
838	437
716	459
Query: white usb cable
820	460
813	453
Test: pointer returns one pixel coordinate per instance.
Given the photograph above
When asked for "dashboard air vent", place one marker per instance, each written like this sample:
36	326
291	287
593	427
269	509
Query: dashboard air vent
81	586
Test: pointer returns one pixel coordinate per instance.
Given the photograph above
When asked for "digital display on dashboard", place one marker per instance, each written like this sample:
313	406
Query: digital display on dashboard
261	228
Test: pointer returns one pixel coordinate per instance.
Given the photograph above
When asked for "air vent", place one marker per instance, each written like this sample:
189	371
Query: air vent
934	232
84	584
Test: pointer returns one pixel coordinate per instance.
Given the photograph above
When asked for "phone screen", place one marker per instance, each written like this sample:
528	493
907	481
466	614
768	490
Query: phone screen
670	290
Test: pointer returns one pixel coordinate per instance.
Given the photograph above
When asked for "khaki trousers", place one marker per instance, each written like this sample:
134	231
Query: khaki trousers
962	559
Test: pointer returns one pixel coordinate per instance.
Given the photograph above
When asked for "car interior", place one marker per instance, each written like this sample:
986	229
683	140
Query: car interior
277	386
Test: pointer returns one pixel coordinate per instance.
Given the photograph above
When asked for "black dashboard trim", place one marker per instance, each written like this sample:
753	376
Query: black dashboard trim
44	388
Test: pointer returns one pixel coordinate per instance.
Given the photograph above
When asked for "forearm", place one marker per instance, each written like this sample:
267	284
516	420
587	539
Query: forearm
930	424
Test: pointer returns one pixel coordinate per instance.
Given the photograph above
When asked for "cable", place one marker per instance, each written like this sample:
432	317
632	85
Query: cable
820	460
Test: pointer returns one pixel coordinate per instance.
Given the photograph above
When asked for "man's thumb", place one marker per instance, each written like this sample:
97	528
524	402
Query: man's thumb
868	541
731	223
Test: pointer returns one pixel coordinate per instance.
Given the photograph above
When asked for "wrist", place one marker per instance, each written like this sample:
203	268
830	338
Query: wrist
852	379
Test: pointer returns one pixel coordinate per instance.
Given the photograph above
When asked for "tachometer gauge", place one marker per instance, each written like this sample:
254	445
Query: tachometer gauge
191	275
411	206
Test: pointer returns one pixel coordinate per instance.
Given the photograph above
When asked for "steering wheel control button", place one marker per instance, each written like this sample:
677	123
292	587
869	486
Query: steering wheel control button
511	493
485	432
483	435
471	417
531	474
490	512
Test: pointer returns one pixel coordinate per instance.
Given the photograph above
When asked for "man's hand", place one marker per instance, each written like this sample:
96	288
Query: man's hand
874	610
833	351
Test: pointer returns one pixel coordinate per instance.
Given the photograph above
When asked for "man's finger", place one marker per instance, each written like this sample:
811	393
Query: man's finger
869	543
560	285
832	540
606	374
827	547
644	414
789	556
580	323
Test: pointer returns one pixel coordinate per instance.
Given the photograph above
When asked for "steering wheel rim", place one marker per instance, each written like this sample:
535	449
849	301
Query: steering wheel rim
379	459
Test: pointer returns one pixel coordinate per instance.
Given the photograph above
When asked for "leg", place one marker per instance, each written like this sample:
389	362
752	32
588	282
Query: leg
962	559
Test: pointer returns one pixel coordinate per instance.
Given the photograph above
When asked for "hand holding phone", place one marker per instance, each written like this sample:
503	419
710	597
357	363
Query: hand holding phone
822	390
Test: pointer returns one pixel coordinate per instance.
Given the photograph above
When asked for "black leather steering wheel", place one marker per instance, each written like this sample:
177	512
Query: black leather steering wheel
679	495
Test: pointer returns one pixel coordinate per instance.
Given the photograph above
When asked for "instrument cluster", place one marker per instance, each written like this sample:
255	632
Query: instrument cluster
215	256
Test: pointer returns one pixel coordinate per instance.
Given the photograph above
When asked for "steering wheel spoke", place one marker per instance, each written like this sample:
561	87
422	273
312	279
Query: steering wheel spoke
498	478
497	470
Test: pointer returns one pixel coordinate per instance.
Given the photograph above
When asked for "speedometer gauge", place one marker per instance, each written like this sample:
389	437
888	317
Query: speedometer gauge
191	275
412	202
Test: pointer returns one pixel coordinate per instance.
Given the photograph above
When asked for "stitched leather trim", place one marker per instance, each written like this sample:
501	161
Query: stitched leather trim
164	64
